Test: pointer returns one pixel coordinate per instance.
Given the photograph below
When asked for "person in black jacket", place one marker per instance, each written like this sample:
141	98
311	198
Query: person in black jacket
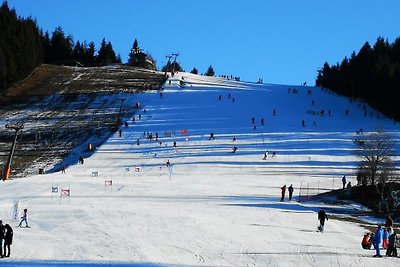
2	234
322	217
392	248
8	240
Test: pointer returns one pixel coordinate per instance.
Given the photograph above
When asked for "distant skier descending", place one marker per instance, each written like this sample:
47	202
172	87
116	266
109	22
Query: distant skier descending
211	136
234	149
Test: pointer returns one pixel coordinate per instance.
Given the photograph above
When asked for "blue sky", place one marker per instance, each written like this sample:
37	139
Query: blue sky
281	41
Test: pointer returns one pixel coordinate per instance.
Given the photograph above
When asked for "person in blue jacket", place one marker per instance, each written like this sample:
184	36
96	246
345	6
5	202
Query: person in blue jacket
378	241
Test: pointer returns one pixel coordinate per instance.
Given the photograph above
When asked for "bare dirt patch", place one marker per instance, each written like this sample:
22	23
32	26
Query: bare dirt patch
63	109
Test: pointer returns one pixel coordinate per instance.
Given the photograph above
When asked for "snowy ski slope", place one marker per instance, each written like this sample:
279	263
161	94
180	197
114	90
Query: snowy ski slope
212	207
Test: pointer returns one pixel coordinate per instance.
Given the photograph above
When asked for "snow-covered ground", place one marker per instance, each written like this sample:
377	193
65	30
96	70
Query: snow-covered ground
212	207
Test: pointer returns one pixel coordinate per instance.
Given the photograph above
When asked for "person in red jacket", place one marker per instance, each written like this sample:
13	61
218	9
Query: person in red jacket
366	241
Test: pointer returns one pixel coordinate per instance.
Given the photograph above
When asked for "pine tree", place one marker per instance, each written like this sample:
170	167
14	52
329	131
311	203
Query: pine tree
372	74
194	71
135	55
90	58
61	46
106	54
20	46
210	71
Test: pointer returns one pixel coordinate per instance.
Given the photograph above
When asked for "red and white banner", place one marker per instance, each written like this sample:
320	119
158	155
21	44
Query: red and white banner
65	192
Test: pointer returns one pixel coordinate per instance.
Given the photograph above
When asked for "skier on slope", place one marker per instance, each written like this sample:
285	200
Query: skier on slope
24	218
378	241
211	136
322	217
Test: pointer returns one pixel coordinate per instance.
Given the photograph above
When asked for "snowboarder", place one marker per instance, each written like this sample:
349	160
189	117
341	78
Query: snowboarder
81	160
234	139
8	240
253	120
24	218
322	217
265	155
168	163
174	144
344	181
120	132
303	123
291	189
262	121
283	191
378	241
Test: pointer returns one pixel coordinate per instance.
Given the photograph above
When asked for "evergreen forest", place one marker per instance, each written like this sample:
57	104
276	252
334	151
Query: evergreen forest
372	74
24	46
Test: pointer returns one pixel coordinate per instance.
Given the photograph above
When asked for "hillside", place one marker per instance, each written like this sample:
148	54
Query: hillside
63	107
211	207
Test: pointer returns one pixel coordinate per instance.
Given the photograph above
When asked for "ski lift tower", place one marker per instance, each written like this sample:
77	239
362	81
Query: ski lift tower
16	127
175	55
168	63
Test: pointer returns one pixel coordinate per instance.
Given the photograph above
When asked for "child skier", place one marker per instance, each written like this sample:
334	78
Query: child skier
24	218
366	241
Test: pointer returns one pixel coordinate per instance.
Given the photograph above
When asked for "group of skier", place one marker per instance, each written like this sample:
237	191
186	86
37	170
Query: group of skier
6	237
283	192
7	234
385	237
